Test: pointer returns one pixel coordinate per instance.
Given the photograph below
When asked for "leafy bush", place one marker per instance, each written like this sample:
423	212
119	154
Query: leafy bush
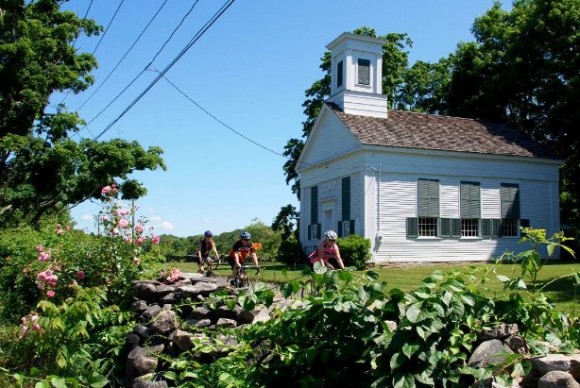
355	251
290	252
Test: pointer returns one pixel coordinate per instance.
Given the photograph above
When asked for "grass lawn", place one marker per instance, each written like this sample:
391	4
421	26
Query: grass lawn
556	277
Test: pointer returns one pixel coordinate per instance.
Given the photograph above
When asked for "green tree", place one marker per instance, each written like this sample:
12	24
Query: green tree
42	169
524	69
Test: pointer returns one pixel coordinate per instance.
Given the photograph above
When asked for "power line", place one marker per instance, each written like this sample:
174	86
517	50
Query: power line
108	26
124	56
218	120
197	36
146	67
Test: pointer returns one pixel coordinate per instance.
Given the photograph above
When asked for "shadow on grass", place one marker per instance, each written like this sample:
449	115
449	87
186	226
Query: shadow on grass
560	289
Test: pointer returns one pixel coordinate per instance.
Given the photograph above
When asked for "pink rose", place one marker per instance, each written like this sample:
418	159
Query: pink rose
105	190
139	229
123	223
50	293
155	239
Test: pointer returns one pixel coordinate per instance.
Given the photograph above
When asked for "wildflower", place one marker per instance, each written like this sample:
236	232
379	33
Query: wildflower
136	260
50	293
39	248
43	256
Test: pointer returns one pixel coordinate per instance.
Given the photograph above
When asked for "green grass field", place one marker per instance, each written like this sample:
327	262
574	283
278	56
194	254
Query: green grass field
557	278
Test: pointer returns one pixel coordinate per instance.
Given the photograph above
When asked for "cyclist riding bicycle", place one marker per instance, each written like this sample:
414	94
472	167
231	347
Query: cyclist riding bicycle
240	252
206	246
327	251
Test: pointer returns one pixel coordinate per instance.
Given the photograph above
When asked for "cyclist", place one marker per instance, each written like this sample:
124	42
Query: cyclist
327	251
206	246
240	252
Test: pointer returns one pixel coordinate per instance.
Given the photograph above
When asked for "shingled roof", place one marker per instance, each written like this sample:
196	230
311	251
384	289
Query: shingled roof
427	131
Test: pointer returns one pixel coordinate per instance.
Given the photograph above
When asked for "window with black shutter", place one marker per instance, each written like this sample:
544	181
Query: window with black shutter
470	208
510	209
427	207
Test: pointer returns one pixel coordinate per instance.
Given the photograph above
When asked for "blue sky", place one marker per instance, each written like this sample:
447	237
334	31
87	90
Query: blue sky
250	70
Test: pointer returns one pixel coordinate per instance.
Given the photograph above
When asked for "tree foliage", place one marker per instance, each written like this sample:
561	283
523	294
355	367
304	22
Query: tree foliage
524	69
43	169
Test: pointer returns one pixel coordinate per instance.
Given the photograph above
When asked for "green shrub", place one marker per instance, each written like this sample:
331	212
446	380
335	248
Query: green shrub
290	252
355	251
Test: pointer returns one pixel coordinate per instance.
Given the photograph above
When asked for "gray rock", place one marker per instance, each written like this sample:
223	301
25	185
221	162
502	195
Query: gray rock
197	288
557	379
225	322
489	352
151	312
182	339
552	362
500	331
165	322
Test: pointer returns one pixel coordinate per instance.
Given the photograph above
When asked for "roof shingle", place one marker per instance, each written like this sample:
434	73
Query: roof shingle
426	131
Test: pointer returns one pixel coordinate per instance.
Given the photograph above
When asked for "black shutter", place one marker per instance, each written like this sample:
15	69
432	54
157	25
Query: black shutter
456	227
314	204
510	201
412	227
339	74
351	226
428	198
486	228
470	200
445	227
346	198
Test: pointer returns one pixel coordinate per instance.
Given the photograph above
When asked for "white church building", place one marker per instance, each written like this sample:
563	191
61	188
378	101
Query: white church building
421	187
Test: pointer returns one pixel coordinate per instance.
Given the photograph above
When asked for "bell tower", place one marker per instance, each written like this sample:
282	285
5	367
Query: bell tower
357	75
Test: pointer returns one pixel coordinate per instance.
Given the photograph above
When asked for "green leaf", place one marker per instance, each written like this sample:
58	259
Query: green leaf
502	278
403	381
410	349
397	360
58	382
170	375
414	313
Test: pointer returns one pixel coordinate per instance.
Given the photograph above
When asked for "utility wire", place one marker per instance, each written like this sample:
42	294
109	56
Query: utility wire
319	164
218	120
197	36
108	26
145	68
124	56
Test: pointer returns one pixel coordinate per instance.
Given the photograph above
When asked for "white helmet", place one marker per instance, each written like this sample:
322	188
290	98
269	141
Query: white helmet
330	235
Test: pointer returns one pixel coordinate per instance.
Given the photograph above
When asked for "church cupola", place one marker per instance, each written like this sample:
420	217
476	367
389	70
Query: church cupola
357	75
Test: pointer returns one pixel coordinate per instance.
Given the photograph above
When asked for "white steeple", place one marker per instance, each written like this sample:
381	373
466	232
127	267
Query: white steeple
357	75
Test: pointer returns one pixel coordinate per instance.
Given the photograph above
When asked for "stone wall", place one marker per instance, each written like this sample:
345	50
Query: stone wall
173	318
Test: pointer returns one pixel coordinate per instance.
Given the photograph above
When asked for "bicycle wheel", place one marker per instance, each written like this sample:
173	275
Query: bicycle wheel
247	283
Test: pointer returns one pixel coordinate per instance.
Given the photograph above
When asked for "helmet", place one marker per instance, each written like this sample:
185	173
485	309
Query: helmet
245	235
208	233
330	235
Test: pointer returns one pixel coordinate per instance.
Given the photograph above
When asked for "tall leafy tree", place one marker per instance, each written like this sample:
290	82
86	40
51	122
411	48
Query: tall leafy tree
524	69
42	169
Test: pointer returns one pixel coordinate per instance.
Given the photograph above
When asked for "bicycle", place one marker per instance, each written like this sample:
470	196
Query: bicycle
211	265
242	279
